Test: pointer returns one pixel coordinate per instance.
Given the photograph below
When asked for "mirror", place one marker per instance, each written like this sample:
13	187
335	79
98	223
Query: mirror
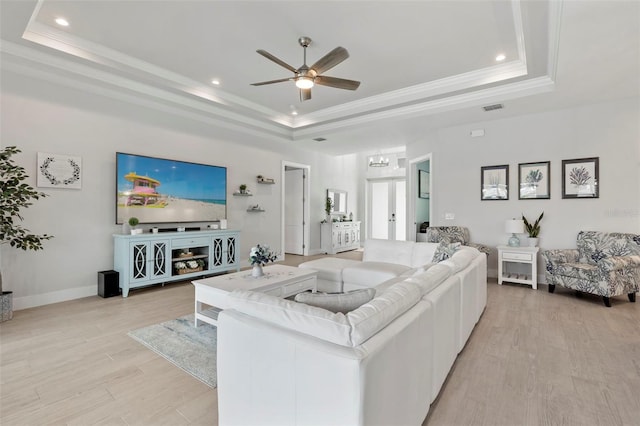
339	200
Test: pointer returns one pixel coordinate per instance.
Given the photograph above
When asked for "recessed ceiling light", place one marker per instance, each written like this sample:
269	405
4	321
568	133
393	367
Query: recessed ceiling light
501	57
215	81
294	112
62	22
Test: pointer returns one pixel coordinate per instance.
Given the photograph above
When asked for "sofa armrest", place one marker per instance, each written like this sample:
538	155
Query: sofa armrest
618	262
558	256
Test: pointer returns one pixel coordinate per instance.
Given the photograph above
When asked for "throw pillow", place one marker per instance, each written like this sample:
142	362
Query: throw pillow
445	251
337	302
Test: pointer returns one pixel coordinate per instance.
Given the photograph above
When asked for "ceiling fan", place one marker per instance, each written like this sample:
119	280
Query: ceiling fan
306	77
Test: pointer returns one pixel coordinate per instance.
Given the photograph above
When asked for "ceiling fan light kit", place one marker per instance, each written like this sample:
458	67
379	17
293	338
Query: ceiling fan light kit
306	77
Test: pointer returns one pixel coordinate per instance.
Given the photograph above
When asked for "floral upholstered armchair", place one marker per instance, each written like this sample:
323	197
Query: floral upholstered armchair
453	234
605	263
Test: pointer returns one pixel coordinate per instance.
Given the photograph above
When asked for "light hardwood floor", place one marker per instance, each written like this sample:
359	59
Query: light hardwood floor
533	359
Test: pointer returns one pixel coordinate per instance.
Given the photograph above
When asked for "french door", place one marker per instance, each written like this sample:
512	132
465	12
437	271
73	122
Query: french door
387	203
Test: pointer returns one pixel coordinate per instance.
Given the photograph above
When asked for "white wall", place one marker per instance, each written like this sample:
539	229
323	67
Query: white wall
40	117
610	131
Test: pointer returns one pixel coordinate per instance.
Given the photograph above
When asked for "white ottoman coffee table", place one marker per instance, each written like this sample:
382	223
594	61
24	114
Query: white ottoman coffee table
329	272
278	280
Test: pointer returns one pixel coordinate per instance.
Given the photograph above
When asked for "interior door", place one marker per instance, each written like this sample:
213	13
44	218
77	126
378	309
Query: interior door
387	209
294	212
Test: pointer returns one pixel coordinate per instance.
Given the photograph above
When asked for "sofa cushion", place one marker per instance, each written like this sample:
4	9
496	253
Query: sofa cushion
372	317
398	252
431	278
445	251
461	258
351	329
370	274
306	319
337	302
423	254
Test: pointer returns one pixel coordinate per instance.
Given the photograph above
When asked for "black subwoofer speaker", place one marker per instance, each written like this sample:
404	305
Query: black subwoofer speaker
108	284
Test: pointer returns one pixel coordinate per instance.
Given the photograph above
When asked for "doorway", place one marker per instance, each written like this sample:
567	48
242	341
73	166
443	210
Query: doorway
295	208
386	208
420	201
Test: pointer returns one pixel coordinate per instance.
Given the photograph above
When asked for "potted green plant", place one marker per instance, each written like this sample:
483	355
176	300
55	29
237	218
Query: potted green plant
328	206
243	189
14	196
133	222
533	229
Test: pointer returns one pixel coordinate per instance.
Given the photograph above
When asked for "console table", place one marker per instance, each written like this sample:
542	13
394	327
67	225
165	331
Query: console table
339	236
518	255
146	259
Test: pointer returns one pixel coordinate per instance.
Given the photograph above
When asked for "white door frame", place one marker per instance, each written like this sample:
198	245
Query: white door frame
306	204
391	180
412	189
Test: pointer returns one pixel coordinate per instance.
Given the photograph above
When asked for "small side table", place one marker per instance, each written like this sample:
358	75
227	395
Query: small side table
521	255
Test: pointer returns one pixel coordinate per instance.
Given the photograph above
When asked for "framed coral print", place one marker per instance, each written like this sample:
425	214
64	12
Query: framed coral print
423	183
534	181
59	171
580	178
494	183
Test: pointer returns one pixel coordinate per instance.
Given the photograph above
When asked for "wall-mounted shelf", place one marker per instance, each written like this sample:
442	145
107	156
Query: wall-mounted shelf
255	210
266	181
242	194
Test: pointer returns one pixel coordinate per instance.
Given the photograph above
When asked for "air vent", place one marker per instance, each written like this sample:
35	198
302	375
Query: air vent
492	107
319	139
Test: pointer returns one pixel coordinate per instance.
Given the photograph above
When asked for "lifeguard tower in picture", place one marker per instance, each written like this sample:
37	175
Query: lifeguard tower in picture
144	192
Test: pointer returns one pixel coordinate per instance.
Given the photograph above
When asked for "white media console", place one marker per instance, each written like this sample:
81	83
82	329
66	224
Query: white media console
146	259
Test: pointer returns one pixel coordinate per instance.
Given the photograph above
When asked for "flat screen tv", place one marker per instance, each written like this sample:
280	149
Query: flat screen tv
158	190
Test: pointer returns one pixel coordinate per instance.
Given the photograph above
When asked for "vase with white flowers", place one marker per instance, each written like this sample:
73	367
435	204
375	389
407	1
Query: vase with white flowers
260	255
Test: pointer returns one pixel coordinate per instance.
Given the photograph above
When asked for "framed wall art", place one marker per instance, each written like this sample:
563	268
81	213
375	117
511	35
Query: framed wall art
534	181
580	178
423	183
494	184
59	171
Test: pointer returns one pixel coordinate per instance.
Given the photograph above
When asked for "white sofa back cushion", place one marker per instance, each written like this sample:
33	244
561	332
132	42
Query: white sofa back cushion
372	317
399	252
346	330
461	258
431	278
292	315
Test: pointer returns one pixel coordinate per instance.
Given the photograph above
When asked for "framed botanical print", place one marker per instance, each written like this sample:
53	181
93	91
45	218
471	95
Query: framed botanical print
534	181
580	178
494	182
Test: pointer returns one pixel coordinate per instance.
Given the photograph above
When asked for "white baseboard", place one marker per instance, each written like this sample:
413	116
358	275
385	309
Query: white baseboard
26	302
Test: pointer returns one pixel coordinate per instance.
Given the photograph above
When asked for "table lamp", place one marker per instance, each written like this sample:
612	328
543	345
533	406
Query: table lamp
513	227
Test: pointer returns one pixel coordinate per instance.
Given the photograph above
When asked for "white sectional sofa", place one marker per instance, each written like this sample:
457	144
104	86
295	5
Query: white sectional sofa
286	363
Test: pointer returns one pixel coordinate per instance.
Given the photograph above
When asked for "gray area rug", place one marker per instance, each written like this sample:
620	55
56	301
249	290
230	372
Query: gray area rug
192	349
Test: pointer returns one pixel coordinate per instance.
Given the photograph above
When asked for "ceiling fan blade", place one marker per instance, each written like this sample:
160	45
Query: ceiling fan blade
305	94
276	60
262	83
339	83
330	60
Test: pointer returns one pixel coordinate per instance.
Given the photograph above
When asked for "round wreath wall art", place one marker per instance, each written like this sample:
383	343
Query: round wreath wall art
53	180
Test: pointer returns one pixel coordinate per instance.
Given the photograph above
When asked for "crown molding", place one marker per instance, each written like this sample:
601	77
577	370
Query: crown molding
29	62
477	98
111	73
